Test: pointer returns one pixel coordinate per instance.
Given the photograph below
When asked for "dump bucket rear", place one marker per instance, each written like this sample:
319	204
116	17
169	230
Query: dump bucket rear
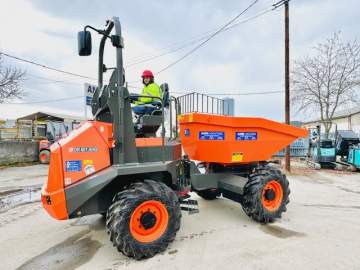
229	140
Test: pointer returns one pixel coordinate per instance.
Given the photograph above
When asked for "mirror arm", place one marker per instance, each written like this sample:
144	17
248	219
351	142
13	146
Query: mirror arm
115	40
101	32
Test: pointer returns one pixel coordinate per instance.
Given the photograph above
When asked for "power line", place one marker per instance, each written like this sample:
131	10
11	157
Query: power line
208	37
44	80
45	101
175	92
206	40
166	51
60	81
236	94
226	27
197	39
45	66
274	6
170	46
36	77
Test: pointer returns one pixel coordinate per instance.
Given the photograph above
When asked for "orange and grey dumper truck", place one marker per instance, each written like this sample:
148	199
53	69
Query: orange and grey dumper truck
116	166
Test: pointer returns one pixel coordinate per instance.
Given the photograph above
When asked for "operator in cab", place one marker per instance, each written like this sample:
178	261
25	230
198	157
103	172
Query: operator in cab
150	88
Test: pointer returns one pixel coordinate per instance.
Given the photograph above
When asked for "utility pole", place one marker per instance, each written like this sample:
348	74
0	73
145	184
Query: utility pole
287	82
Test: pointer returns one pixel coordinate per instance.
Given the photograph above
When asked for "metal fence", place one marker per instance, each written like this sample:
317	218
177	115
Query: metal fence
21	130
196	102
298	148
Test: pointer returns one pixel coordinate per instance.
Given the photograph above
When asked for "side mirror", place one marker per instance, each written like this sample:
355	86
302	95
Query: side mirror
84	43
164	87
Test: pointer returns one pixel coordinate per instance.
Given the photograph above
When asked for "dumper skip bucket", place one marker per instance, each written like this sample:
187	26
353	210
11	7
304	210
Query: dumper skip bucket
231	140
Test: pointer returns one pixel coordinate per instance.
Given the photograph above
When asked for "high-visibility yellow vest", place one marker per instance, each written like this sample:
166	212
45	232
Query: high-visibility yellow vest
152	89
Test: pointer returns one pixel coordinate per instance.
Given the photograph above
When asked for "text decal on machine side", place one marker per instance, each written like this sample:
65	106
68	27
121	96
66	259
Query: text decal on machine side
212	135
83	149
73	165
246	136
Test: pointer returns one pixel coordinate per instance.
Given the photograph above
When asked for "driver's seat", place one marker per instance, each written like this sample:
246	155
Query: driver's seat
148	117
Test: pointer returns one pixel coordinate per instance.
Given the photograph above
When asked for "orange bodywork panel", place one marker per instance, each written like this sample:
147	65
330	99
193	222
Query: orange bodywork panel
83	152
52	193
148	142
234	140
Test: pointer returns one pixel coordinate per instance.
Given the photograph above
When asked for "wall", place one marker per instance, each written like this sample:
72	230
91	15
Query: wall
17	151
355	123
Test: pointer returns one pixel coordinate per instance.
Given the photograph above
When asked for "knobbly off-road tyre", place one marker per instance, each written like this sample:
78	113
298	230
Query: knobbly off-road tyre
266	194
143	219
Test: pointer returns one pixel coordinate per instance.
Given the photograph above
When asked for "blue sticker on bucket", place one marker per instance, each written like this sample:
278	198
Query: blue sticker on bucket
73	166
212	135
187	132
246	136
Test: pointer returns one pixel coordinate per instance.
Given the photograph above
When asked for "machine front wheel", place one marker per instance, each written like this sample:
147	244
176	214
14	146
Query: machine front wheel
266	195
143	219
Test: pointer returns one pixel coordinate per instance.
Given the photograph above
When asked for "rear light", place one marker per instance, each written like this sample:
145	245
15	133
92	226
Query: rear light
48	200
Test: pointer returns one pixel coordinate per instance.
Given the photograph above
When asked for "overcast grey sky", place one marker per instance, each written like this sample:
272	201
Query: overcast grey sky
247	58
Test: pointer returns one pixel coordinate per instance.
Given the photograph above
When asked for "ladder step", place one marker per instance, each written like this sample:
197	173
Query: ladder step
190	206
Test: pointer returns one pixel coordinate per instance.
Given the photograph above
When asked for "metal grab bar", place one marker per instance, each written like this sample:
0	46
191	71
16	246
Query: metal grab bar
175	101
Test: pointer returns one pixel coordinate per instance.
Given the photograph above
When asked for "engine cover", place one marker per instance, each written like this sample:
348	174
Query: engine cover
83	152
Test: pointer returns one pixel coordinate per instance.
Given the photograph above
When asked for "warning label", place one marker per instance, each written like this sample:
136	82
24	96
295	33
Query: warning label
237	157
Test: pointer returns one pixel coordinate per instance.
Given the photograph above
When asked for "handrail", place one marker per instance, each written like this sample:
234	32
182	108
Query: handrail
197	102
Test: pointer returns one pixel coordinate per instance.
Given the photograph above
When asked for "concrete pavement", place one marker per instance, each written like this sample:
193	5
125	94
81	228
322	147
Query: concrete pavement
320	230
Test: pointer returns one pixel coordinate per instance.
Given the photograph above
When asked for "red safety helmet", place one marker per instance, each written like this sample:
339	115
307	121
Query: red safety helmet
147	73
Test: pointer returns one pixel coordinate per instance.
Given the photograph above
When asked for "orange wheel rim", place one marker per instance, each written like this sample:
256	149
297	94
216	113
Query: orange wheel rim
272	195
43	157
149	221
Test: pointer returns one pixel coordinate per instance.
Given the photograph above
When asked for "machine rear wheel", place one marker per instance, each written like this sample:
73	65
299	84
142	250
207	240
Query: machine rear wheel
266	195
208	194
143	219
44	156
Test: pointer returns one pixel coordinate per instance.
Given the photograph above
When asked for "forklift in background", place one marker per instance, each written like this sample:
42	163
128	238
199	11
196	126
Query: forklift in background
348	148
321	153
54	130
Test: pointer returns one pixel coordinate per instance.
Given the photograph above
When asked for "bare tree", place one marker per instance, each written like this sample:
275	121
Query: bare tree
10	78
328	80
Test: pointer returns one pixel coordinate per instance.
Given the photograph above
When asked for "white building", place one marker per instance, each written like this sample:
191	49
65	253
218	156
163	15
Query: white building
344	120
